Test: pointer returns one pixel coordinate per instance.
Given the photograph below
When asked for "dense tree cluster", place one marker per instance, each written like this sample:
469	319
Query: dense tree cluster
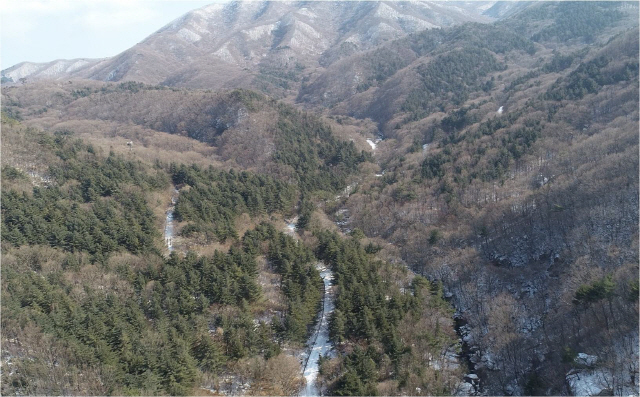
215	198
385	61
371	310
449	78
552	174
528	216
278	76
564	21
490	159
46	217
153	333
319	160
589	77
300	283
127	86
595	291
495	38
143	324
557	64
97	204
575	20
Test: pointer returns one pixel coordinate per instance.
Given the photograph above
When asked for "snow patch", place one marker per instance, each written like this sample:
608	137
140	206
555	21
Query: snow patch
386	11
225	54
291	226
485	7
39	179
586	359
588	383
200	29
381	28
188	35
259	31
77	65
112	74
372	144
23	70
307	39
210	11
350	188
169	233
448	360
55	69
308	30
354	39
419	24
464	389
420	3
306	12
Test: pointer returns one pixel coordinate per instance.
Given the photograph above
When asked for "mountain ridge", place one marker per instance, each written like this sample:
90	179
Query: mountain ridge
245	38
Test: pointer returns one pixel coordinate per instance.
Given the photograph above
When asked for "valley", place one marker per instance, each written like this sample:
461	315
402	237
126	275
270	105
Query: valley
329	198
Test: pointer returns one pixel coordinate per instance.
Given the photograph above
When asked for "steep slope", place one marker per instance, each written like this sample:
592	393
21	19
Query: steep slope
266	45
388	80
433	70
521	195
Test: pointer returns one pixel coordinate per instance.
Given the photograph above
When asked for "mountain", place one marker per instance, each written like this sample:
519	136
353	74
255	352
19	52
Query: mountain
390	80
472	189
264	44
502	9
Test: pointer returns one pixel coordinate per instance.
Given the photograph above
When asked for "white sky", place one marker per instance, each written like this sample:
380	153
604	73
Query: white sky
46	30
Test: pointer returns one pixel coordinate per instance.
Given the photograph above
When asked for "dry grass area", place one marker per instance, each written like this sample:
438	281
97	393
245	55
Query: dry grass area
21	151
149	146
273	300
278	376
320	221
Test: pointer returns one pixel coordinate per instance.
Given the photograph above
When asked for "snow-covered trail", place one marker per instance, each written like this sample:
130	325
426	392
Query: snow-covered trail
168	226
319	341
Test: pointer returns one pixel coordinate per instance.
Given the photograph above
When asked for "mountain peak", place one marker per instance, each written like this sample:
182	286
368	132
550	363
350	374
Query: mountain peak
213	45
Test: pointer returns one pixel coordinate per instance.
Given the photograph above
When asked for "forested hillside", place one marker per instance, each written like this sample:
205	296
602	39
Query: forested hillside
247	129
92	305
472	191
519	193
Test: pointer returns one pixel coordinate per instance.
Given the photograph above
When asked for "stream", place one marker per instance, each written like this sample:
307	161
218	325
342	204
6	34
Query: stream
470	386
168	226
319	343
